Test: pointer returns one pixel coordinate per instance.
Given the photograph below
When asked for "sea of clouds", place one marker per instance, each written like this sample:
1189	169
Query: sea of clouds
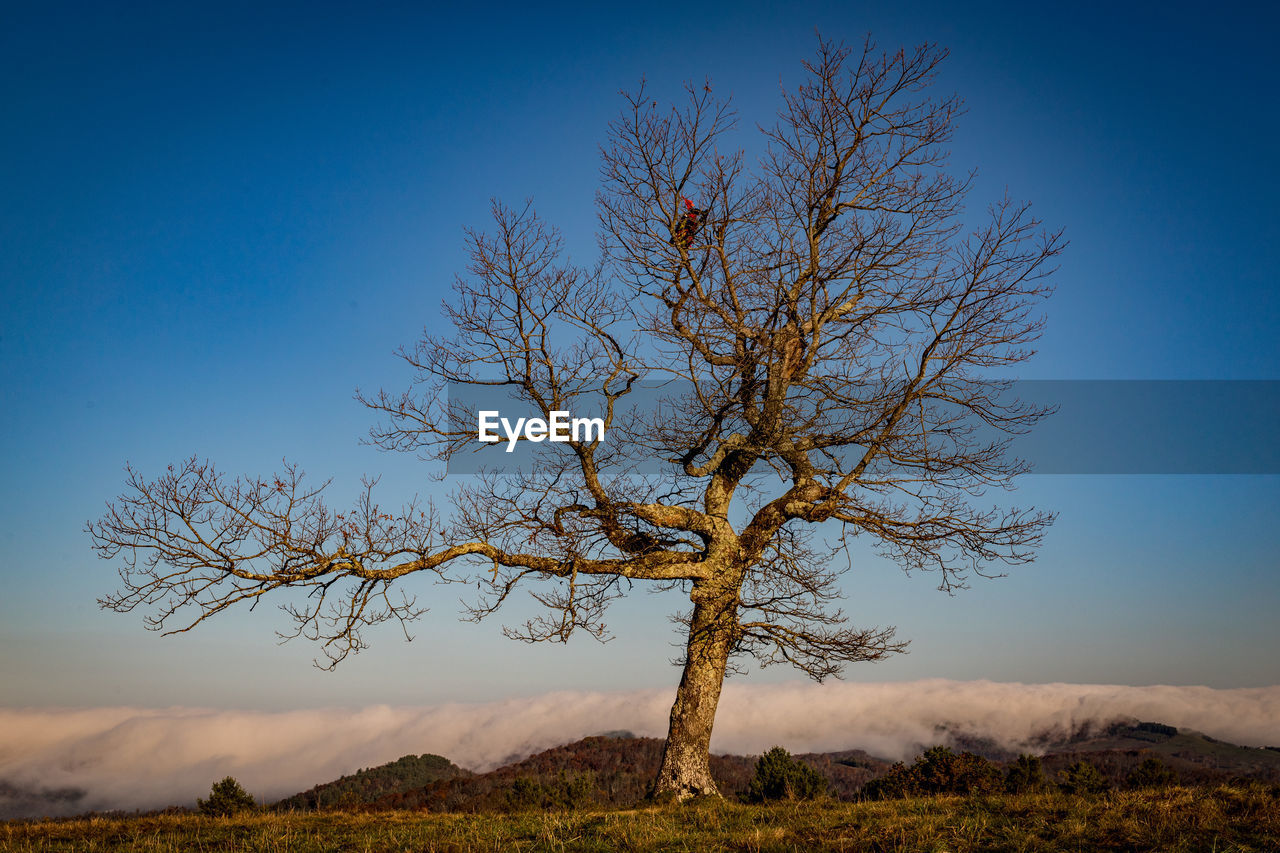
68	761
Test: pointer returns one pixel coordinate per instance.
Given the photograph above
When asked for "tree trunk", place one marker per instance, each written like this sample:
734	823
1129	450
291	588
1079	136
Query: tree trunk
685	771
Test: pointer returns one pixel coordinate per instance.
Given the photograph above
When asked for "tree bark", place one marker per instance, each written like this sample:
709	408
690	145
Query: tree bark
685	770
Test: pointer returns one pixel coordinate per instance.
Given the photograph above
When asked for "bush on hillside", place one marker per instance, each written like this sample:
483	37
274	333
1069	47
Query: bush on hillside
1083	778
1152	773
1025	774
226	798
781	777
937	771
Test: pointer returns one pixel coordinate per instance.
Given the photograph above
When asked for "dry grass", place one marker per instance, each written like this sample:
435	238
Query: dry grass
1220	819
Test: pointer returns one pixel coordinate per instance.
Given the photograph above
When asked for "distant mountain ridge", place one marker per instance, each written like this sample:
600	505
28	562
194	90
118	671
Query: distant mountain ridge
614	770
1195	756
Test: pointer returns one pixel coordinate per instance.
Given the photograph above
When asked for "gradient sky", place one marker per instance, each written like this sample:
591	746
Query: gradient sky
218	222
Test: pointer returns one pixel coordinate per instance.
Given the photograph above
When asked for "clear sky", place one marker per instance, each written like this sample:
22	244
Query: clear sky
217	222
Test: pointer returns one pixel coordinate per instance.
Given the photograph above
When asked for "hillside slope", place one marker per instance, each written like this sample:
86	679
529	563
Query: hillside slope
615	771
367	785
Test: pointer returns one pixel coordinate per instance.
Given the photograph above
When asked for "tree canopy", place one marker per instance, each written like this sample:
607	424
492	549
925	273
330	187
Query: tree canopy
828	333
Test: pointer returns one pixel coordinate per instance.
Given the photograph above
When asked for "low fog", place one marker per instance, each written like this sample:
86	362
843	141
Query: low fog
59	761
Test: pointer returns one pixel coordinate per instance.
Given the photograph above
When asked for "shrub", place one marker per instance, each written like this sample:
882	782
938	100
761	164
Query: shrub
526	793
226	798
781	777
1025	774
565	791
938	771
1083	778
942	771
577	790
342	801
1152	773
894	785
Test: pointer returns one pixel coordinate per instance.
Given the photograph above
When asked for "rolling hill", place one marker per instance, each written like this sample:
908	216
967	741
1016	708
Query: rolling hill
614	770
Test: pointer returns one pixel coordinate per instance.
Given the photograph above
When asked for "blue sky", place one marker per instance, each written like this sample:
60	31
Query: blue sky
217	223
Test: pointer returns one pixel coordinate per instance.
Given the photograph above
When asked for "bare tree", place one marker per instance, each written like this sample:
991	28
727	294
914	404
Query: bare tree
832	322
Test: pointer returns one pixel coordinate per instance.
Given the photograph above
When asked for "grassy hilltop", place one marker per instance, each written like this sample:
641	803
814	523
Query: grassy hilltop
1225	819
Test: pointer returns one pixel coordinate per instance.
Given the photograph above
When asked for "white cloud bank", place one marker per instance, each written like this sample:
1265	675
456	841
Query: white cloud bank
127	758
